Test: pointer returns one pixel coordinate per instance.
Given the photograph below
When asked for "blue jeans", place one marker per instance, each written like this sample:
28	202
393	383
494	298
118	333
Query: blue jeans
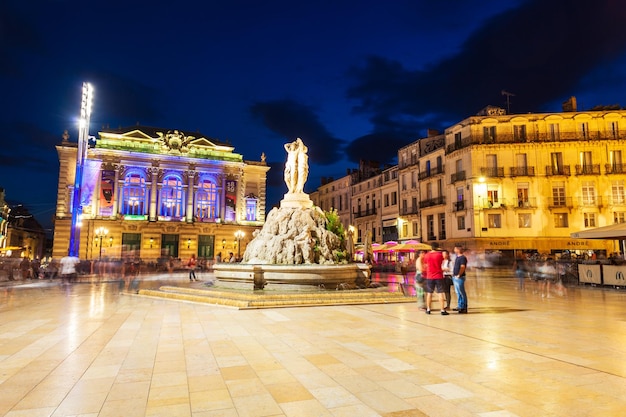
459	288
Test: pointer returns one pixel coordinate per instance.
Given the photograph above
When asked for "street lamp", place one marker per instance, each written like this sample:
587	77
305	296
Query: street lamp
81	155
239	234
101	232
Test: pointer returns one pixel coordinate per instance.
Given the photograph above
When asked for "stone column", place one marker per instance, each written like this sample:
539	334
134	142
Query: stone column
190	193
154	171
116	191
222	196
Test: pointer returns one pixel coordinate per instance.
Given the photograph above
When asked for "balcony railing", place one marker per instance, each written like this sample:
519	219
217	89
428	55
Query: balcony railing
492	172
458	205
442	235
363	213
480	139
558	170
523	171
431	173
593	169
457	176
523	203
486	203
615	169
560	202
409	210
617	201
433	202
595	201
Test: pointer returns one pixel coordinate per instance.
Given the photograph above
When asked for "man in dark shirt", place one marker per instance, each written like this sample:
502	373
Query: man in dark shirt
434	278
458	278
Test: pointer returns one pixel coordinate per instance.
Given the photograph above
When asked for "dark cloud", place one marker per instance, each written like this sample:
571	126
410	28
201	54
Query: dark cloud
29	147
541	51
379	146
123	100
290	120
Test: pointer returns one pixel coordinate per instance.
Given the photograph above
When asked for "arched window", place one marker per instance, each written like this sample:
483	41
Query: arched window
171	197
251	208
206	200
134	194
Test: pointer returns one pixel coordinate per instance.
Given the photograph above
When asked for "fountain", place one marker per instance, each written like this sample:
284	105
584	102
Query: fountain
299	246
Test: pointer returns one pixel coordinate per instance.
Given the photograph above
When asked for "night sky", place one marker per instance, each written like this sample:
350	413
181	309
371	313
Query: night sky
354	79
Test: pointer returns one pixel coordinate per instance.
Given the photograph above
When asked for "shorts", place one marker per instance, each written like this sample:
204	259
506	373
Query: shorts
434	285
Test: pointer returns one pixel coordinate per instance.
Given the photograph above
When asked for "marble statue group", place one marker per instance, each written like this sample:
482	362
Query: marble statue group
297	166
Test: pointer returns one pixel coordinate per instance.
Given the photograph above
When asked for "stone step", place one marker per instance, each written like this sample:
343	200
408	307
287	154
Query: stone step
263	299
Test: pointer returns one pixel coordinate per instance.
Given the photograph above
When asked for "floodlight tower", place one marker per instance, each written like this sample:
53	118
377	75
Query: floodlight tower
83	139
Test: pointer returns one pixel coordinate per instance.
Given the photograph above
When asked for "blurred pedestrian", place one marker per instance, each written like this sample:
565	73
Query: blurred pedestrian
191	264
458	278
419	280
446	267
434	278
68	268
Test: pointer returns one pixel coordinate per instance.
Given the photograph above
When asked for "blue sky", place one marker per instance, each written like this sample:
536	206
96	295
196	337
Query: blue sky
355	80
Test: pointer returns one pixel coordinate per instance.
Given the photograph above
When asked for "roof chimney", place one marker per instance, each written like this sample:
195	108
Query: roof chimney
570	104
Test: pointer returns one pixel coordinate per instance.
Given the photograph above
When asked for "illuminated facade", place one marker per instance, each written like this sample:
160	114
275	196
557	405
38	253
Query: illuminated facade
158	193
334	194
521	182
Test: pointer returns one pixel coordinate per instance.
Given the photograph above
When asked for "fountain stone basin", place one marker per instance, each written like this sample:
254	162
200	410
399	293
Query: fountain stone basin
294	277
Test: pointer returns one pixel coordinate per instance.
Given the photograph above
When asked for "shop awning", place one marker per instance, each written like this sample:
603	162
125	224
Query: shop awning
614	231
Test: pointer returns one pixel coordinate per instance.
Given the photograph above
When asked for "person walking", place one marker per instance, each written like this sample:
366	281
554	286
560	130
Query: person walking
191	264
458	278
446	267
419	280
434	278
520	270
68	268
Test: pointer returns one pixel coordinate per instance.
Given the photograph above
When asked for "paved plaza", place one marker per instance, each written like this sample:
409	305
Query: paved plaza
91	349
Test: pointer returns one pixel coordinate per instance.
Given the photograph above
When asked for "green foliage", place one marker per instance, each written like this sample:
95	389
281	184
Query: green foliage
333	224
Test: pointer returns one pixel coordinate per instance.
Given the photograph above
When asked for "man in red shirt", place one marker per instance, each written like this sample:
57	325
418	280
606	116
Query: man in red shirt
434	277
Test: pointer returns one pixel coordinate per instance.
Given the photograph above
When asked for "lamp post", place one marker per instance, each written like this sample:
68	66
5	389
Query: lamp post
239	234
101	232
81	154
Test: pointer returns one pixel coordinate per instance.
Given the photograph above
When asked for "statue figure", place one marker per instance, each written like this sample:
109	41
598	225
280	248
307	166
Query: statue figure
290	166
303	166
297	166
262	156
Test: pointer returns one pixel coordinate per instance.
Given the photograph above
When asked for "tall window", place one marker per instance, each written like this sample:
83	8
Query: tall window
428	168
556	160
589	193
617	192
430	227
584	130
522	195
614	130
394	198
619	217
521	160
442	226
561	220
590	219
457	139
429	191
558	194
134	194
206	200
519	132
489	134
251	209
171	204
460	222
524	220
494	221
616	161
439	165
585	159
553	131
